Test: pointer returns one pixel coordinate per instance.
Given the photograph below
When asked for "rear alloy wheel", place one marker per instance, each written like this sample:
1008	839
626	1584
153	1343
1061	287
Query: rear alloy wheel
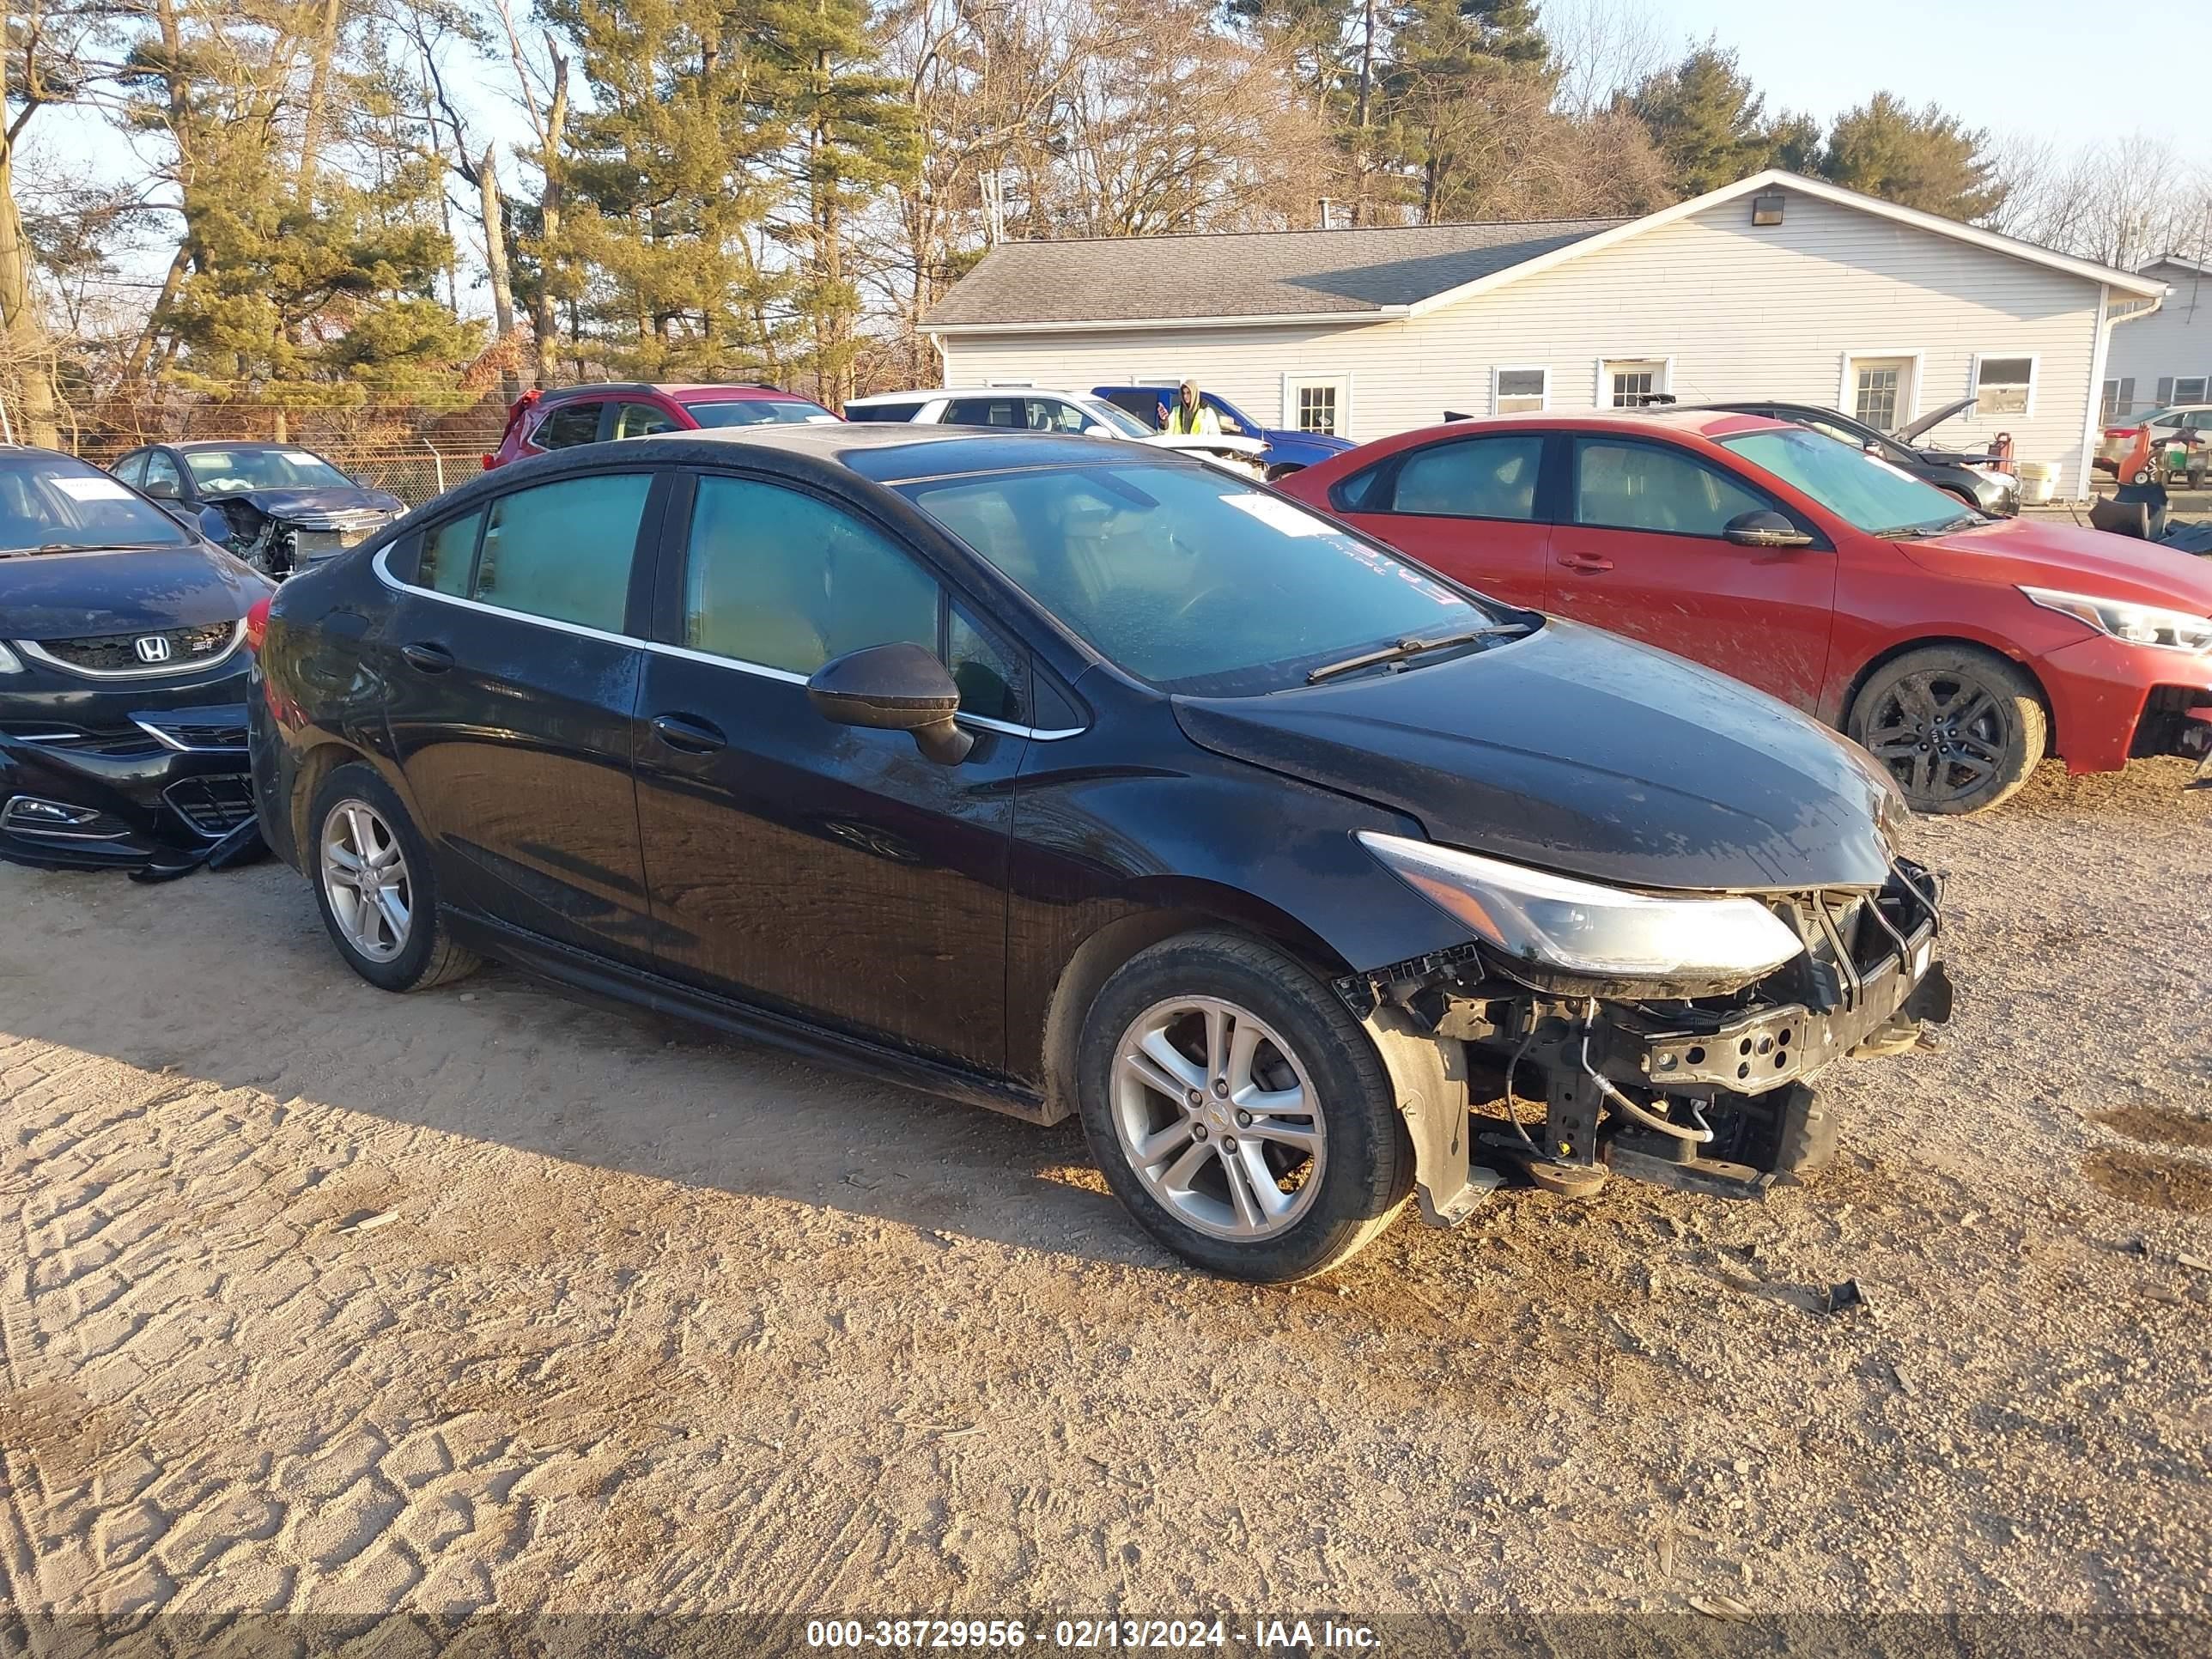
1959	729
374	886
1239	1111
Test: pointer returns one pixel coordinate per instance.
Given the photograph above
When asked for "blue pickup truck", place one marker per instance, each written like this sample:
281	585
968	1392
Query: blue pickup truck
1288	449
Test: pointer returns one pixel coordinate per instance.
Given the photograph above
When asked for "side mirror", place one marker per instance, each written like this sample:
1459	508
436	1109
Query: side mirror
1764	528
894	687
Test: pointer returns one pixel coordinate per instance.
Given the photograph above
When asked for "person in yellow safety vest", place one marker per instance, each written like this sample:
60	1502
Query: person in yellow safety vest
1190	415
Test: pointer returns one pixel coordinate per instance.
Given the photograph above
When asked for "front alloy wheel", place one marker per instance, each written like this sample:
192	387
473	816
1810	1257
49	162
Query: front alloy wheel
1959	729
1218	1118
366	881
1237	1108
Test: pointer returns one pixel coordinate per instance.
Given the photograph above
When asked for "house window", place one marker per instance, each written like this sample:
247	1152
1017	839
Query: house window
2188	389
2004	386
2119	399
1881	390
1632	382
1317	403
1521	391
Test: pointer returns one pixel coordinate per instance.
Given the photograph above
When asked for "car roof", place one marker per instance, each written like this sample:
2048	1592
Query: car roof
698	392
1670	419
191	444
966	392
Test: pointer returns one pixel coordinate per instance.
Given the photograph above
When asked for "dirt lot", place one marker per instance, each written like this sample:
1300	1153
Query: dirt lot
323	1301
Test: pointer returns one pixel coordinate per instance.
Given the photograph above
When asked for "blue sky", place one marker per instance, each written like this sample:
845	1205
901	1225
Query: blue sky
2061	70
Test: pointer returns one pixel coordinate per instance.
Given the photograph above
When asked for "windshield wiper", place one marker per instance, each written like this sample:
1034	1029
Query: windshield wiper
1413	648
1913	532
83	547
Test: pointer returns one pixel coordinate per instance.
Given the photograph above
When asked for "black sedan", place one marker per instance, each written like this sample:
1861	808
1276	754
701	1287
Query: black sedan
1974	479
121	674
276	506
1066	776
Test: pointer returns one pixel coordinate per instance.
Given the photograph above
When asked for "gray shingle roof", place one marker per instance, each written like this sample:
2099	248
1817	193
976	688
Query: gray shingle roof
1251	274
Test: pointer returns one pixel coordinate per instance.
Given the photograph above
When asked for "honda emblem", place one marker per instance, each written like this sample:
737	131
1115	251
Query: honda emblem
151	647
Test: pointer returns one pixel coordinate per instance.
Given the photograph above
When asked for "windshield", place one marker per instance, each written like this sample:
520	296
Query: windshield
1869	493
52	503
1189	579
756	411
232	471
1119	419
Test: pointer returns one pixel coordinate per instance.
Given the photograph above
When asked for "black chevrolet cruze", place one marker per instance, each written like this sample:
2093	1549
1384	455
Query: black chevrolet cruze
121	674
1066	778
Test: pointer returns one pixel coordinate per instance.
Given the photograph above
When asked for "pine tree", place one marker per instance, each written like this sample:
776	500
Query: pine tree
1921	158
1707	120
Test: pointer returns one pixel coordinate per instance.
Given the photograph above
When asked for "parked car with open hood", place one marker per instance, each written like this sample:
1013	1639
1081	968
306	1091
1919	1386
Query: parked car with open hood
122	673
1960	650
1974	476
1032	409
278	507
1070	776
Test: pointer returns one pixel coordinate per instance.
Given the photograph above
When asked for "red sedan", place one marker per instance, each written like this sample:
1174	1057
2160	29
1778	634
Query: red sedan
1960	650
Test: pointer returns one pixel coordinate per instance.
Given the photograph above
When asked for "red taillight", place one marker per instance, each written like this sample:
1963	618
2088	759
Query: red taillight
2124	432
490	461
256	622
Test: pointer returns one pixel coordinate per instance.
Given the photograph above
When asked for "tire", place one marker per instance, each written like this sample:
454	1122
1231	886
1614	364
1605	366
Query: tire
2143	475
352	807
1959	728
1355	1166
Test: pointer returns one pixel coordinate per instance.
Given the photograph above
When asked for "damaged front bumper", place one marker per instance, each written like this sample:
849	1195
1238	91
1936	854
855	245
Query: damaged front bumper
1721	1085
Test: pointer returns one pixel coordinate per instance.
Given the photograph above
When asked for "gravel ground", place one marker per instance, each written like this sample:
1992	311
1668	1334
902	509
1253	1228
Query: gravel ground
321	1301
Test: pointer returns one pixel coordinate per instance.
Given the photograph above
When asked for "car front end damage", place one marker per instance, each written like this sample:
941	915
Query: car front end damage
1573	1039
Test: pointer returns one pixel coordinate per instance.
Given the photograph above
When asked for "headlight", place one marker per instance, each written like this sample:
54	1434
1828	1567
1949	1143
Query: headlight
1581	929
2138	624
10	662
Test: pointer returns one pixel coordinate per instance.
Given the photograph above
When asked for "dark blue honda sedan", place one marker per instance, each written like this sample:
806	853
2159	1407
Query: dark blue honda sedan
1066	776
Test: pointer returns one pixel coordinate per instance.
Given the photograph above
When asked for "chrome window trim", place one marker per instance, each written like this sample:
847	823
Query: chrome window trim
761	670
145	671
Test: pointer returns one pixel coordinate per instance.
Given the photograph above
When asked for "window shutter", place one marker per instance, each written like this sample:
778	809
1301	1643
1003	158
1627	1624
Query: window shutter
2165	390
2127	395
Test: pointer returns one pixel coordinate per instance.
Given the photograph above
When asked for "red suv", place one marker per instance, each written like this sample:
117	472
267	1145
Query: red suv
1959	649
543	420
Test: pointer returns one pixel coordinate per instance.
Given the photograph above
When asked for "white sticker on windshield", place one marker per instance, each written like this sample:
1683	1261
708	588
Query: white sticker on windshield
301	458
1278	515
92	490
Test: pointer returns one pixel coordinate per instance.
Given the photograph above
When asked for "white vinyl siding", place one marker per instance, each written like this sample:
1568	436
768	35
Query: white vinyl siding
1741	313
2171	344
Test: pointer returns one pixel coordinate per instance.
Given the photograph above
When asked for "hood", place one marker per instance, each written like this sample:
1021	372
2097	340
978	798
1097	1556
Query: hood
1327	440
2013	551
61	596
314	502
1216	443
1929	422
1580	752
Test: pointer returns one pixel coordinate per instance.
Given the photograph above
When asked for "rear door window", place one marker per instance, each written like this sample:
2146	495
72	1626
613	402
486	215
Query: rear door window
563	551
1009	412
641	420
131	469
568	426
1471	478
1633	486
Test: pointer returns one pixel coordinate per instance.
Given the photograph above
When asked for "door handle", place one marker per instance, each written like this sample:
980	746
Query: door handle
430	658
687	734
1589	564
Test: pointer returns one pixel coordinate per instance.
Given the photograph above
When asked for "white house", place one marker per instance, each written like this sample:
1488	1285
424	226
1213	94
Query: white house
1778	285
2166	356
